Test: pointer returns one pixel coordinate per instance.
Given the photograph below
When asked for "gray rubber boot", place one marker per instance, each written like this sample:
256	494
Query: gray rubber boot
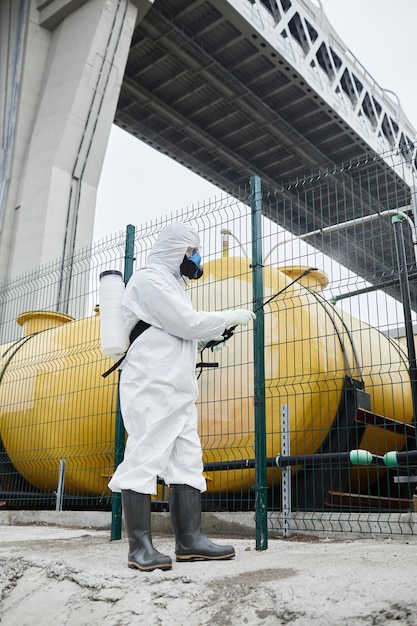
191	544
137	518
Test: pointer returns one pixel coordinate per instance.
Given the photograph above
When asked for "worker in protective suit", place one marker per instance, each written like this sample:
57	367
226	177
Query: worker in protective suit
158	391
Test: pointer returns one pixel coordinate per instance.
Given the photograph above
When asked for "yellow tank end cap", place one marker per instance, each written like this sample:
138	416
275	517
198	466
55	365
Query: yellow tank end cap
36	321
316	280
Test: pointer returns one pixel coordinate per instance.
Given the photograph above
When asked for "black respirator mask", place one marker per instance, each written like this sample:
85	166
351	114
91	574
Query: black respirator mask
190	267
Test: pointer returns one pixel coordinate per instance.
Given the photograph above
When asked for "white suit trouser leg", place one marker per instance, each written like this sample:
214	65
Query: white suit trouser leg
168	447
185	465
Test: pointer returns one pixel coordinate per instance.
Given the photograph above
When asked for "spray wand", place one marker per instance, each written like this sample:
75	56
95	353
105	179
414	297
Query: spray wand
228	333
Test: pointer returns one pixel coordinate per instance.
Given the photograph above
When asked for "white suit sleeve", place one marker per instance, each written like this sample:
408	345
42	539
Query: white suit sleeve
160	300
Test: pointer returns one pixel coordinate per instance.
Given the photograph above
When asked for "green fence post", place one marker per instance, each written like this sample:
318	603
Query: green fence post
119	437
397	221
119	444
261	487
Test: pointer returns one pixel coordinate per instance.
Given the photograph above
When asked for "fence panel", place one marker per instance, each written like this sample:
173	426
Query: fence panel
338	355
57	412
337	359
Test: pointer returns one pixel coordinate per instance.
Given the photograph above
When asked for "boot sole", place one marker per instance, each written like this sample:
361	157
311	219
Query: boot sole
148	568
202	557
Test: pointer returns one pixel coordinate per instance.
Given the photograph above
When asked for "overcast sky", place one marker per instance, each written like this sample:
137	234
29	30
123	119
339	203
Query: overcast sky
138	183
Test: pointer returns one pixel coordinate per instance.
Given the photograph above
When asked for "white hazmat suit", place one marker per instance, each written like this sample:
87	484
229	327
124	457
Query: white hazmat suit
158	386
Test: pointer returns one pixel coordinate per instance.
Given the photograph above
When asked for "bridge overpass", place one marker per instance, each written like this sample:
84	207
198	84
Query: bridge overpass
239	87
229	88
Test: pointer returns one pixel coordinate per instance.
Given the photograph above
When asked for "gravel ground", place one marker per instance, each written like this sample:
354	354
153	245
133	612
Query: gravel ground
52	575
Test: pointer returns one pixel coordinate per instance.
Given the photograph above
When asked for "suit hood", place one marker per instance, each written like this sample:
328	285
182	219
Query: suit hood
171	245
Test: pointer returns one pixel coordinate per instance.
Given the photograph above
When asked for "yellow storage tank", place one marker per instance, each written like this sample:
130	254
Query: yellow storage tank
311	348
56	405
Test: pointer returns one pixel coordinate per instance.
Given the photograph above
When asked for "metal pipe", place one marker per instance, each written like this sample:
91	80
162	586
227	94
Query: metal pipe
217	466
354	457
348	223
394	458
225	242
359	292
406	301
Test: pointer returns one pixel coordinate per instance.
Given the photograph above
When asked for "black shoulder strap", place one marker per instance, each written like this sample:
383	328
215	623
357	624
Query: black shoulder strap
114	366
137	330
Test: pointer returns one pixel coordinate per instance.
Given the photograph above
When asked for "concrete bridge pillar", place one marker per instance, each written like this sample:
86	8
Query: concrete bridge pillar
61	67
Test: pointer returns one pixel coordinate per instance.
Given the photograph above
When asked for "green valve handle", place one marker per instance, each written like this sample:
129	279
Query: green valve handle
360	457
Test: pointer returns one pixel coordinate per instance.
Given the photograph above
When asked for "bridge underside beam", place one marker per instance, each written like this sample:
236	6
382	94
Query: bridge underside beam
207	88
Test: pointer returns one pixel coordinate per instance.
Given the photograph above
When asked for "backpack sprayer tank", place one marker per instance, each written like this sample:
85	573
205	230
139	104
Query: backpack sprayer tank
114	339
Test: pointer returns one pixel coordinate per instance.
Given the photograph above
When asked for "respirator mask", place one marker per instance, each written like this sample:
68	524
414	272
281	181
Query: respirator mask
190	267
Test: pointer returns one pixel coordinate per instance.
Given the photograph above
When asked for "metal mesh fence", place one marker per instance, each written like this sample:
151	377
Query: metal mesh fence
339	302
57	414
340	362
